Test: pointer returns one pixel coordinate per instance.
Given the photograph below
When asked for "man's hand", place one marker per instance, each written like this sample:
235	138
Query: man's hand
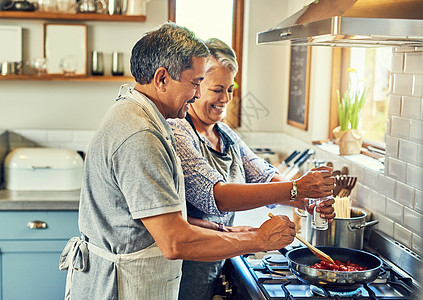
277	232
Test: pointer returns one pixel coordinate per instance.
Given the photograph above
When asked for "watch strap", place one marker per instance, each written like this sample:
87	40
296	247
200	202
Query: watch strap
293	191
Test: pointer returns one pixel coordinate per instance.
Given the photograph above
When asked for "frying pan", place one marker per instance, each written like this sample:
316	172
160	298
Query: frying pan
300	260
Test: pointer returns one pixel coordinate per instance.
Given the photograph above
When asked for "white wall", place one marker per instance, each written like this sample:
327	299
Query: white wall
266	75
82	105
71	105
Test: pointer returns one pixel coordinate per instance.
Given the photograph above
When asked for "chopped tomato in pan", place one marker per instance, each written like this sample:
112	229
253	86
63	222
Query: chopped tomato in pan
338	266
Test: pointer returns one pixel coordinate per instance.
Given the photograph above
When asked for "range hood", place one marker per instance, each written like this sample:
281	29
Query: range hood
351	23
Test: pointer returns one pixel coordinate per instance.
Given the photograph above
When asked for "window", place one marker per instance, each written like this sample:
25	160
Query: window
204	21
372	66
222	19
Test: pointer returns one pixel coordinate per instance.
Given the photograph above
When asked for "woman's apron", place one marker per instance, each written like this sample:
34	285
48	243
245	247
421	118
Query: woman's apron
145	274
199	279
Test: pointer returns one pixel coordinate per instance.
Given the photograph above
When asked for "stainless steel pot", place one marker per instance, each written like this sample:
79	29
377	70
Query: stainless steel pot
342	232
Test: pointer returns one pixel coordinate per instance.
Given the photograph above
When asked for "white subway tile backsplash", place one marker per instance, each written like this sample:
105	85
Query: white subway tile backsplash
420	155
394	107
417	244
358	171
35	135
418	202
75	146
414	176
387	186
413	220
400	127
411	107
371	179
83	136
397	169
404	194
394	211
408	151
385	225
69	139
397	63
392	146
402	84
416	131
402	235
377	202
413	62
363	196
417	86
58	136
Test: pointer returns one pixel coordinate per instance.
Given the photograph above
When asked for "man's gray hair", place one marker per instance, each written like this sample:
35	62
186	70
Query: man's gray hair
170	46
224	54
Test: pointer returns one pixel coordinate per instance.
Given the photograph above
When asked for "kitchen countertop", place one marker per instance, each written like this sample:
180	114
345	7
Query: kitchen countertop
39	200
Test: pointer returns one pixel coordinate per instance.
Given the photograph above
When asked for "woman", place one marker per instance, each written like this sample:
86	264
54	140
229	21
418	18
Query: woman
223	175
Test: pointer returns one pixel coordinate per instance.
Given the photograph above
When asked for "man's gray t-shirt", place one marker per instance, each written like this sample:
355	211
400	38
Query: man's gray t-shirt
130	173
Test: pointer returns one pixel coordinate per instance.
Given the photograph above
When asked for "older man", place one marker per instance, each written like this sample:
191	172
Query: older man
132	208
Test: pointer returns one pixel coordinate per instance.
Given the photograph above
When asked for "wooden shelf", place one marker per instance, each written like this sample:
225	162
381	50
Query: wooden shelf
68	78
63	16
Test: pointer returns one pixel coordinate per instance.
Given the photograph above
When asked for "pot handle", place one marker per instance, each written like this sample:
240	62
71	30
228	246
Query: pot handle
358	226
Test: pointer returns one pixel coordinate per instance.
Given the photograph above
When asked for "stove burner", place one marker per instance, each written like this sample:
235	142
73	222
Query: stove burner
325	292
275	259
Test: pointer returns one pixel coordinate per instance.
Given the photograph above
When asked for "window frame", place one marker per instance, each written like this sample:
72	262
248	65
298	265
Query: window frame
232	119
339	81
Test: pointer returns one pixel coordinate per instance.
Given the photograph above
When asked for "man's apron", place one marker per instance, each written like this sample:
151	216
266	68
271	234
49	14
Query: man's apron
145	274
199	279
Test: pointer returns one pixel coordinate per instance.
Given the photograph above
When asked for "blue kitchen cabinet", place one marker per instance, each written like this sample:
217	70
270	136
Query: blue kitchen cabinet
29	257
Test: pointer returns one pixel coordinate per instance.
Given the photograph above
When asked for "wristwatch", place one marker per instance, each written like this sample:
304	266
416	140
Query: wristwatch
220	228
293	191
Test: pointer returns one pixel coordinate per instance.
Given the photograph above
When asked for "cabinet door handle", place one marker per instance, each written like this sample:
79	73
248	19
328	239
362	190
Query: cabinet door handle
37	224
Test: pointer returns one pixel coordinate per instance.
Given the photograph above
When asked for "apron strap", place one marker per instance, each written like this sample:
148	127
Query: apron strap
75	248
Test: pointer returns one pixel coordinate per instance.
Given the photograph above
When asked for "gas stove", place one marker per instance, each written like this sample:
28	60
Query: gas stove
266	275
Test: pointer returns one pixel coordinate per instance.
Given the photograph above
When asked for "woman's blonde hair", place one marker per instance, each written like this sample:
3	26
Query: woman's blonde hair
224	54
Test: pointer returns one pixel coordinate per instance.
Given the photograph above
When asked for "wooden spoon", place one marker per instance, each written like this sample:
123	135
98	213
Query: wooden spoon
320	254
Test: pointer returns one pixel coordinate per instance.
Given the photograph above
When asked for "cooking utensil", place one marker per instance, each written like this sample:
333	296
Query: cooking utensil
348	186
299	162
290	166
321	255
300	260
284	165
344	182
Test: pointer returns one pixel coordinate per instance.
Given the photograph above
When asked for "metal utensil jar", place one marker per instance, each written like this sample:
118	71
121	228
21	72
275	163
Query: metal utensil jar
342	232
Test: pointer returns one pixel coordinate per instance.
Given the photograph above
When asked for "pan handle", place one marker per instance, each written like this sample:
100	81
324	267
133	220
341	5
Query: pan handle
283	251
357	226
382	271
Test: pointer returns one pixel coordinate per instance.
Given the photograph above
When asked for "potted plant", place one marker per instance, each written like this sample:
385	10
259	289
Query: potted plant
347	134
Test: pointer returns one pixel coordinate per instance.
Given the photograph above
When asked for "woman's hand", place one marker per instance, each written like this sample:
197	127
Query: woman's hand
325	209
239	228
316	183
